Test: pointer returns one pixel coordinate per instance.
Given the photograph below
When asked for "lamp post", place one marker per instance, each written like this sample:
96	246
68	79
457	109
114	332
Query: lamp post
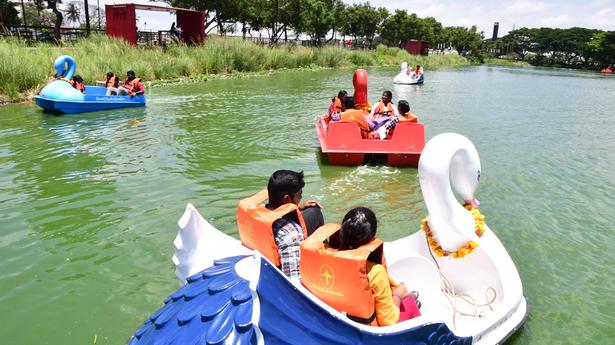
98	12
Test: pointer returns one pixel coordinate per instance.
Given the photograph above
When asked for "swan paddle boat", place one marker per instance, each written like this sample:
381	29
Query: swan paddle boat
607	70
409	79
342	141
60	96
470	289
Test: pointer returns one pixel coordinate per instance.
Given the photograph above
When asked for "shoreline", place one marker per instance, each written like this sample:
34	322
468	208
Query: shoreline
219	58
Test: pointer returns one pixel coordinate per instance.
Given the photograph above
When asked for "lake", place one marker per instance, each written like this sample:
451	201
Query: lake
89	202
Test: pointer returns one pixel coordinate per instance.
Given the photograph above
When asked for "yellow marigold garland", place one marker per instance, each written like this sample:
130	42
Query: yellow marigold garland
466	249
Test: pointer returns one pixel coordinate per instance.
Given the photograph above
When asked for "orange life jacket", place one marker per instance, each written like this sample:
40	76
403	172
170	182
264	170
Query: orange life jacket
358	116
339	277
408	117
112	82
336	106
255	224
381	109
79	86
133	85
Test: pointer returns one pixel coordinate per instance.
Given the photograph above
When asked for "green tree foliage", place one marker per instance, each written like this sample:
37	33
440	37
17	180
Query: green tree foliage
362	21
464	40
574	47
8	14
73	13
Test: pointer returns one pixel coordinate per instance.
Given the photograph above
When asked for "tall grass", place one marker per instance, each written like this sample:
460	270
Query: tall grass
24	69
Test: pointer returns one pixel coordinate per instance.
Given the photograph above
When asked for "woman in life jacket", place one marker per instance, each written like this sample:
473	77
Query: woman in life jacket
392	301
336	105
384	107
78	83
112	83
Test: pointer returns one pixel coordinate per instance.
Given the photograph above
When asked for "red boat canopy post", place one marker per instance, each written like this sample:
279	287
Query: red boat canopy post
417	47
121	21
359	80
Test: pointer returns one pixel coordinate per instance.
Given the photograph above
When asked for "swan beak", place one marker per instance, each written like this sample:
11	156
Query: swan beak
474	202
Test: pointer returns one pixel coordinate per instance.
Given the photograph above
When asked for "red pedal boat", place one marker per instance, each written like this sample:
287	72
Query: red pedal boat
343	143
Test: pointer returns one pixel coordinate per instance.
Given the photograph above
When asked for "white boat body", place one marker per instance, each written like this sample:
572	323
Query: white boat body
412	79
487	274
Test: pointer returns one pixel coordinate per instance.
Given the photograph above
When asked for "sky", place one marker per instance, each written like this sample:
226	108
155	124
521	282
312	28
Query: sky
593	14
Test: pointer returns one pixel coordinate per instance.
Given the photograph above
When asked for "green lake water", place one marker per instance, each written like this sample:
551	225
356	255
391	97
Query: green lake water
89	202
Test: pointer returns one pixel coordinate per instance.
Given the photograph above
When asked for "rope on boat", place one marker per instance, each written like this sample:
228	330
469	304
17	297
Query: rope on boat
449	291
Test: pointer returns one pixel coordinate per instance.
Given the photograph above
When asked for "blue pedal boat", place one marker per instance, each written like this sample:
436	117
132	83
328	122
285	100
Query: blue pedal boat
60	96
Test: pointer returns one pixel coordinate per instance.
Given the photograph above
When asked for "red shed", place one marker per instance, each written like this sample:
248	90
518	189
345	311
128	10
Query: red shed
417	47
121	22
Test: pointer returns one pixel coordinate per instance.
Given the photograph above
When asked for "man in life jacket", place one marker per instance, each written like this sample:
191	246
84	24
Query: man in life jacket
278	228
132	85
77	83
384	107
112	83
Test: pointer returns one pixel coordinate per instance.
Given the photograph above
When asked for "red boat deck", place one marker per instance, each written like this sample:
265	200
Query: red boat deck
343	144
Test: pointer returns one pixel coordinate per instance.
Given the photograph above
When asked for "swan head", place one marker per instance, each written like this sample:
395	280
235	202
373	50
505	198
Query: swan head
450	166
404	66
65	66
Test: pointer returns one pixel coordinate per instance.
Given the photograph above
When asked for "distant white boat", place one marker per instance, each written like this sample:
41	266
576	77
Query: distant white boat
409	79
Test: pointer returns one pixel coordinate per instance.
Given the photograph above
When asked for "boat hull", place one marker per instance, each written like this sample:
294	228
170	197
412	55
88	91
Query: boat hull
92	100
342	143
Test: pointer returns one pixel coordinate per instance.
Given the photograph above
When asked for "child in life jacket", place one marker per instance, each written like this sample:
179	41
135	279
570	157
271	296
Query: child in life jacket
78	83
336	106
393	303
404	112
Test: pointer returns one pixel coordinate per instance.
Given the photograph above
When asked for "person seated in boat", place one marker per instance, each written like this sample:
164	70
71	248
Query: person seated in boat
336	105
112	83
404	112
354	256
78	83
278	228
418	71
132	85
384	107
359	116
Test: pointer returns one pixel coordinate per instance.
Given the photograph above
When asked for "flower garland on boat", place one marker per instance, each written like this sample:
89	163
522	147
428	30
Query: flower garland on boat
466	249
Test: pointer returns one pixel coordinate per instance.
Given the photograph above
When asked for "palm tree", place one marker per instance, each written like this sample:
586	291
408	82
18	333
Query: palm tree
73	13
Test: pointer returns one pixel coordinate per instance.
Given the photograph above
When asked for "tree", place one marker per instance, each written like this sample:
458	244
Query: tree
363	21
73	13
317	19
8	14
464	40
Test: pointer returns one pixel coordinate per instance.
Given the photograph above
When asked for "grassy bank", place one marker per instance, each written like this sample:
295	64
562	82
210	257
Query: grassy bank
505	62
24	69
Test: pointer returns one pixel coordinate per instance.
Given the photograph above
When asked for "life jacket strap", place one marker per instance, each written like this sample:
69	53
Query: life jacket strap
365	321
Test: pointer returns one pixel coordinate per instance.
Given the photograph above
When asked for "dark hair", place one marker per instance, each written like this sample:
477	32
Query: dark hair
403	106
78	78
109	74
388	94
348	103
342	94
131	72
358	228
284	182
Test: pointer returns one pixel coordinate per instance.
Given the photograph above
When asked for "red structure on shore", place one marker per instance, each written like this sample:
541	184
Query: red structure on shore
417	47
121	22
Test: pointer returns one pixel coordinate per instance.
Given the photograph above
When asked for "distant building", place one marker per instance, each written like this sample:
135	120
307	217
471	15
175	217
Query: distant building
417	47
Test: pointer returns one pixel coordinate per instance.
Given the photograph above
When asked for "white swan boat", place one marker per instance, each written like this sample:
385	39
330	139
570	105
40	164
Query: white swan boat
409	79
233	295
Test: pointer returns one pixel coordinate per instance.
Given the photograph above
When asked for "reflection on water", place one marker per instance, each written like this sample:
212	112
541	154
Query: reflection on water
89	202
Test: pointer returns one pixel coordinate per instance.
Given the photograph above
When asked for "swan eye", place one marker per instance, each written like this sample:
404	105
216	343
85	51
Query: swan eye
478	175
